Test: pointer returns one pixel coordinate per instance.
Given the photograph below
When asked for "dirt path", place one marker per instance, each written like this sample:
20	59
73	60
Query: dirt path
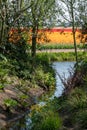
60	50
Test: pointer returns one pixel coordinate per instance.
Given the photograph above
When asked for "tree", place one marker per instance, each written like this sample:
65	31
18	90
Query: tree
82	12
68	13
82	19
72	2
25	13
75	13
40	15
11	15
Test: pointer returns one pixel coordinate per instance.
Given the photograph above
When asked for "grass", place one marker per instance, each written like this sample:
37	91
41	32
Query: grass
51	122
61	56
44	118
54	46
58	46
72	108
56	56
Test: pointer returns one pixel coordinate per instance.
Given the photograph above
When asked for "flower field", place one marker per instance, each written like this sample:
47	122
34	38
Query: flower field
55	35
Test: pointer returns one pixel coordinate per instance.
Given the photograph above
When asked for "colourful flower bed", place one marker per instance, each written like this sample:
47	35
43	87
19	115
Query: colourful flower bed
56	35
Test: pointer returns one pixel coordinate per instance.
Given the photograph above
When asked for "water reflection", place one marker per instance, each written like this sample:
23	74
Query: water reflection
61	68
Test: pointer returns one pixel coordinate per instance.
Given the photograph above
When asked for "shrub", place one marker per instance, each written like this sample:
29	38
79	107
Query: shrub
44	79
10	103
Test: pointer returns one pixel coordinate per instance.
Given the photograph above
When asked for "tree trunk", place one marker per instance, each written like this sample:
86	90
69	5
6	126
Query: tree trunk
1	33
33	49
73	30
74	39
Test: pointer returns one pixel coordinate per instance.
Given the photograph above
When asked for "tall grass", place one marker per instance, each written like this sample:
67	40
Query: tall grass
57	46
54	46
52	122
61	56
44	118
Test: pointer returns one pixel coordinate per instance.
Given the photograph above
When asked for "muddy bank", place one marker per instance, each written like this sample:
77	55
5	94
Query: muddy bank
19	111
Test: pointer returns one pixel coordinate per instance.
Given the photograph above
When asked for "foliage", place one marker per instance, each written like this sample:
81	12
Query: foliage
41	76
83	66
23	97
23	100
17	51
3	73
77	99
10	103
44	79
51	122
81	119
45	12
72	108
45	119
61	56
11	15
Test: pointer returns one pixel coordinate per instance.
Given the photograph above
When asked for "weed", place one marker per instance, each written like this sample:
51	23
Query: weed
10	103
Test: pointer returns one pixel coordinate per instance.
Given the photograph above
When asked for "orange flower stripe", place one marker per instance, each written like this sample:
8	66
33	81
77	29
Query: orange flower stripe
55	35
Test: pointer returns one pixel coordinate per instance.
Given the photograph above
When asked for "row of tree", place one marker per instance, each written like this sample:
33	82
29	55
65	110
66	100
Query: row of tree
36	14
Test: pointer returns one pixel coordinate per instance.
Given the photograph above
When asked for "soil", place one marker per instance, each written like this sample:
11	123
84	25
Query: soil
11	92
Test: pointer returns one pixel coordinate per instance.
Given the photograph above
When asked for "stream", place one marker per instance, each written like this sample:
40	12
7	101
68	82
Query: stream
61	68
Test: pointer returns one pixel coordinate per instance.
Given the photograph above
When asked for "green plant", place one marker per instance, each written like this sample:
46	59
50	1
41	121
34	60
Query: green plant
2	57
10	103
46	58
77	99
44	78
3	75
51	123
81	119
3	81
54	46
46	121
2	87
23	97
23	100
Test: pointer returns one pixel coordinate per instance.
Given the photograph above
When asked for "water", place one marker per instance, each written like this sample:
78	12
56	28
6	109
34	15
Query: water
63	69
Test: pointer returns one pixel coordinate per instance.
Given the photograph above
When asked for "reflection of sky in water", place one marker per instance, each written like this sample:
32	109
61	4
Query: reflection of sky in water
63	69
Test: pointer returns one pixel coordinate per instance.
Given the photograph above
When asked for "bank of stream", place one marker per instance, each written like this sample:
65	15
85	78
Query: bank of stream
61	68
